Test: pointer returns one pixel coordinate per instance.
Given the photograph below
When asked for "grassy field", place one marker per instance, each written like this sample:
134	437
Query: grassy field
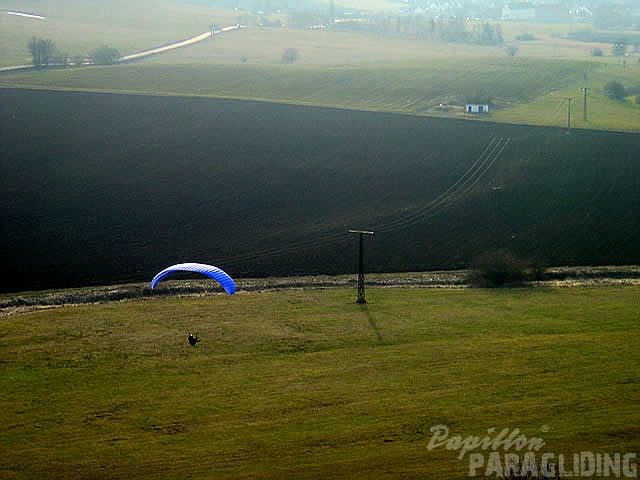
360	71
523	90
308	384
76	27
379	75
399	88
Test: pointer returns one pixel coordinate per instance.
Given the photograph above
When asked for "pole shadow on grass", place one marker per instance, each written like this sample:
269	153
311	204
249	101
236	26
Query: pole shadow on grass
372	323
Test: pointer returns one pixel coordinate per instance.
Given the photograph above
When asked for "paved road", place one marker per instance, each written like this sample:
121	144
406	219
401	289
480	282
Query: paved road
173	46
16	68
146	53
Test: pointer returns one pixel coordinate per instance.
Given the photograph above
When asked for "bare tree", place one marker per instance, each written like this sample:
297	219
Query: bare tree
41	50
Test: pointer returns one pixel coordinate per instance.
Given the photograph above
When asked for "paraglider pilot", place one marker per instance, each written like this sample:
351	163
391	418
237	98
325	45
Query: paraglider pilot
193	339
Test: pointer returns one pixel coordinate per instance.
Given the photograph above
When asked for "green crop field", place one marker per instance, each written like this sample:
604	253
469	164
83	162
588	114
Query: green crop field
308	384
398	88
525	91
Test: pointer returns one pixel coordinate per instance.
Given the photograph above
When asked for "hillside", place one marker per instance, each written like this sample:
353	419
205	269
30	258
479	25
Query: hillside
333	68
306	384
76	26
103	188
365	72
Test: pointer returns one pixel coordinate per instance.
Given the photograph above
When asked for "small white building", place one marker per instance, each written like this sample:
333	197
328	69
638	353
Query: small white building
476	108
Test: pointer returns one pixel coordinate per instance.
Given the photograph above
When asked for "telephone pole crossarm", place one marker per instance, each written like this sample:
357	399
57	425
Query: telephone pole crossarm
361	234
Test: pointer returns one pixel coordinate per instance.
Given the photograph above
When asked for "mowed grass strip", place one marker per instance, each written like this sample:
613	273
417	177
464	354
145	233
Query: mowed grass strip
308	384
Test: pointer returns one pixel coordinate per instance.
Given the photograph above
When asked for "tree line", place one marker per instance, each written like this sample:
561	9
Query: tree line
41	51
44	53
452	30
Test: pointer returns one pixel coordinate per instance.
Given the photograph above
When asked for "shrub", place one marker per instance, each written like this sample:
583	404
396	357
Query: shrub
104	55
502	268
597	52
526	37
637	99
615	90
511	51
290	55
41	50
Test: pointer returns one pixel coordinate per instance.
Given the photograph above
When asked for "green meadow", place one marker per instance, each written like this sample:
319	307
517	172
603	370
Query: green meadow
308	384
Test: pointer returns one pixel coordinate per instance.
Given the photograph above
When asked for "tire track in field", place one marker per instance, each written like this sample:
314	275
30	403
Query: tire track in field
455	192
458	190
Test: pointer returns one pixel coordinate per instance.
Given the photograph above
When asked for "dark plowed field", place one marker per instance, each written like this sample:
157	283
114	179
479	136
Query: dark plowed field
100	188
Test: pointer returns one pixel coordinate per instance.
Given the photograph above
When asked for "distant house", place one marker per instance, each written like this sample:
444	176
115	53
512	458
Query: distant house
476	108
520	11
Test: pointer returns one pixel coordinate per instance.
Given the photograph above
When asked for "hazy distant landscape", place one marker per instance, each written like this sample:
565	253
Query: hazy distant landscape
347	67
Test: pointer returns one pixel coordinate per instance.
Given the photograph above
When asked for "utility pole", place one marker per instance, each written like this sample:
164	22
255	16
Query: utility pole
361	234
585	90
569	114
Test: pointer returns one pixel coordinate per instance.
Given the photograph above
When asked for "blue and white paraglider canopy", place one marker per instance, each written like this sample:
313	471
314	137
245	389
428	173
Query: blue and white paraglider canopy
209	270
